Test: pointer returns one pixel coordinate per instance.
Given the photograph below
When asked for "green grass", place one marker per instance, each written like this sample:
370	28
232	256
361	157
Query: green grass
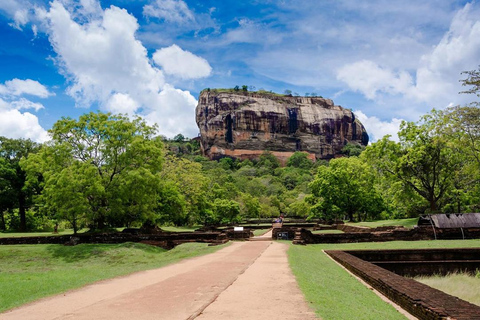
38	234
407	223
260	232
334	293
30	272
327	231
180	229
463	286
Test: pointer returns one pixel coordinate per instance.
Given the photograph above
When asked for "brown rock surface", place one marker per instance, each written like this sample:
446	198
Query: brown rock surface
244	124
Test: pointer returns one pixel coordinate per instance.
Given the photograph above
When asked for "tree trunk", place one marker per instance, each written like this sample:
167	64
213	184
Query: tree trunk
2	221
22	212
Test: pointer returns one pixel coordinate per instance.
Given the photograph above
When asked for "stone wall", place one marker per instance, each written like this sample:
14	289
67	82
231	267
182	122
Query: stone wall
390	235
166	240
423	262
418	299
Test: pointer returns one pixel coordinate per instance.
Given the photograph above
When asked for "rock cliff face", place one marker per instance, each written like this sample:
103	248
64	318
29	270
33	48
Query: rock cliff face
244	124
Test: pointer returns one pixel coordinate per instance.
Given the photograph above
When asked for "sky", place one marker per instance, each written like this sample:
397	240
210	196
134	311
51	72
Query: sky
387	60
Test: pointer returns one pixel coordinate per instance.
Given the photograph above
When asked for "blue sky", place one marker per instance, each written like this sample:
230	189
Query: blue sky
387	60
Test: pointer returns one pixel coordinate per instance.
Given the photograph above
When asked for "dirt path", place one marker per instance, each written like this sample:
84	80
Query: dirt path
246	280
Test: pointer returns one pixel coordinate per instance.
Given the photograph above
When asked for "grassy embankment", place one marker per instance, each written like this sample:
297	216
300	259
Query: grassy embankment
326	231
464	286
407	223
30	272
334	294
70	232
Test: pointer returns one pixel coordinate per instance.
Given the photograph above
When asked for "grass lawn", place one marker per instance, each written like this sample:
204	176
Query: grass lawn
38	234
464	286
334	293
326	231
180	229
30	272
407	223
260	232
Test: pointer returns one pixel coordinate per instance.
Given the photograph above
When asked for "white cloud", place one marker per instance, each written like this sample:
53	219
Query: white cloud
23	103
459	49
106	64
181	63
169	10
17	87
369	78
121	103
179	117
18	10
14	124
437	72
377	128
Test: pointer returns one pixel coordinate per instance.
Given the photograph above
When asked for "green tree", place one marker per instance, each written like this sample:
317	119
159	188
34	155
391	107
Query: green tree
473	80
345	187
15	192
300	160
352	149
228	211
192	184
179	138
422	160
101	167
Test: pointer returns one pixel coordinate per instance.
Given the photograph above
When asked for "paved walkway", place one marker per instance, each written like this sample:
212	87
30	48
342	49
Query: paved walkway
246	280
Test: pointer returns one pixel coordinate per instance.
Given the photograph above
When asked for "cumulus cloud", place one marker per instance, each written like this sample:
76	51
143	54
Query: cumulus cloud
18	10
17	87
121	103
181	63
13	122
437	73
377	128
369	78
105	63
179	117
169	10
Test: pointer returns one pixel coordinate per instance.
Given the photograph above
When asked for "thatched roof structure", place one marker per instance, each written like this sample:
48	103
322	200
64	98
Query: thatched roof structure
452	220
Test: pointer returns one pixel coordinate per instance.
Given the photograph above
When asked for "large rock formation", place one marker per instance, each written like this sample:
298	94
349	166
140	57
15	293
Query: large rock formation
244	124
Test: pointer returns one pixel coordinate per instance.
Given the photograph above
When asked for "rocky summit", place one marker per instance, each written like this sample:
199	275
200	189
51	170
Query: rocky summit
243	125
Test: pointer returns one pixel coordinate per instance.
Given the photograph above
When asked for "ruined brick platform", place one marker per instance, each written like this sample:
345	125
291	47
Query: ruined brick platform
418	299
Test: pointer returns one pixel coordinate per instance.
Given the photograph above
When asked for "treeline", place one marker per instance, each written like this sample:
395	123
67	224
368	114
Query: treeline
104	171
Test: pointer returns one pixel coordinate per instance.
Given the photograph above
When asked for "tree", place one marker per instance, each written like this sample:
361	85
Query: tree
422	160
192	184
299	160
352	149
179	138
287	92
103	168
473	79
227	211
346	186
16	193
245	88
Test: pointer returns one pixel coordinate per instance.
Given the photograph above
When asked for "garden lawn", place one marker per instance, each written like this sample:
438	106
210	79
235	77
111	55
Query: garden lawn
30	272
407	223
464	286
334	294
39	234
260	232
326	231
